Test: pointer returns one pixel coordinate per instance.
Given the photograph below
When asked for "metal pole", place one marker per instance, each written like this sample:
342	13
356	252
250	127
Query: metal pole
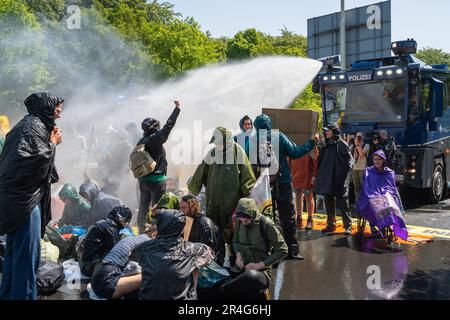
343	38
89	151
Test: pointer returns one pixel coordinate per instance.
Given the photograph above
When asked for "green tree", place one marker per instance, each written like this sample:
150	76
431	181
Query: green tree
22	58
180	46
433	56
51	9
290	44
309	100
248	44
162	12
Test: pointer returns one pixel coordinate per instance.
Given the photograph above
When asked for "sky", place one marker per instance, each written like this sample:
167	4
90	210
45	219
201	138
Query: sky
425	21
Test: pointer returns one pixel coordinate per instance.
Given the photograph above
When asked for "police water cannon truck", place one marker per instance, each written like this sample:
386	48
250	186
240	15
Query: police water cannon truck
403	96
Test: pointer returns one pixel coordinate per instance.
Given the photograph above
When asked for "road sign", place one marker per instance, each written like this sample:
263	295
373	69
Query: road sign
368	33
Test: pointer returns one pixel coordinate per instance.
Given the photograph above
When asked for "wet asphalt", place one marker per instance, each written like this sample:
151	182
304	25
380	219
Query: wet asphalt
338	267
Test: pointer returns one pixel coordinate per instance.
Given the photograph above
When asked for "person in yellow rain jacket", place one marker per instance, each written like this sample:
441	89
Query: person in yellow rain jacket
4	129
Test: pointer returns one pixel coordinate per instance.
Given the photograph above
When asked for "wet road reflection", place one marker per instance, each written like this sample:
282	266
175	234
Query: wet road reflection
339	267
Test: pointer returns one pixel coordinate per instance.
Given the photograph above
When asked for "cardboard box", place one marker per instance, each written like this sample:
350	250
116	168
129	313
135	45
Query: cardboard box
298	125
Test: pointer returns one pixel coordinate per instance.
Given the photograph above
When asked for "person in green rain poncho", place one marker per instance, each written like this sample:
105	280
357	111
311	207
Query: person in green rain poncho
76	207
227	176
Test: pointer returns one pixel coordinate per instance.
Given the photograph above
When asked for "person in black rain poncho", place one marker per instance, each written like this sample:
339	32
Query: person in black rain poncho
169	264
102	237
101	203
27	170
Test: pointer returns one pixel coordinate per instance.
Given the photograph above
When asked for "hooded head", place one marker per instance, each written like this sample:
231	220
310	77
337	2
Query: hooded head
89	191
333	127
263	122
170	223
120	215
69	192
43	106
150	126
241	122
247	208
221	136
382	155
169	201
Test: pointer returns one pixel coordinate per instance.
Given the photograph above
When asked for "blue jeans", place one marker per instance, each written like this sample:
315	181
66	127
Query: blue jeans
22	256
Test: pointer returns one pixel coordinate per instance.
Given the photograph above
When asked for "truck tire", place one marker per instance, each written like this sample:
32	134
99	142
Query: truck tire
436	192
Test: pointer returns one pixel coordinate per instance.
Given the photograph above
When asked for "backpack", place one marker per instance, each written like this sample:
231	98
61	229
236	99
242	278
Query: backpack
262	230
50	277
266	158
141	163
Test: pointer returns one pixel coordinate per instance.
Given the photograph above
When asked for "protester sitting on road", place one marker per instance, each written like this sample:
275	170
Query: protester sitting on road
101	238
170	264
203	229
116	276
101	203
333	178
258	245
378	181
76	208
304	173
153	185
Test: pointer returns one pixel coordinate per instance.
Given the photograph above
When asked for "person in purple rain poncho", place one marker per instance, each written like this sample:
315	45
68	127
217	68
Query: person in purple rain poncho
380	203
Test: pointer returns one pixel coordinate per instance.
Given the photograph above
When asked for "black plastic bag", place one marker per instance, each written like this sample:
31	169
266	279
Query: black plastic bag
50	277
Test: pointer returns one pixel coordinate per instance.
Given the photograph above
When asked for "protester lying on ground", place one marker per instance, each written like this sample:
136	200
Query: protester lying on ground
101	203
76	208
258	244
203	229
111	278
27	170
169	264
153	185
380	203
101	238
281	178
225	182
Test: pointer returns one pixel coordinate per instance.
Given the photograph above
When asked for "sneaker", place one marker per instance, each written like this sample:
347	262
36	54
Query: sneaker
329	229
294	253
309	225
348	231
295	256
